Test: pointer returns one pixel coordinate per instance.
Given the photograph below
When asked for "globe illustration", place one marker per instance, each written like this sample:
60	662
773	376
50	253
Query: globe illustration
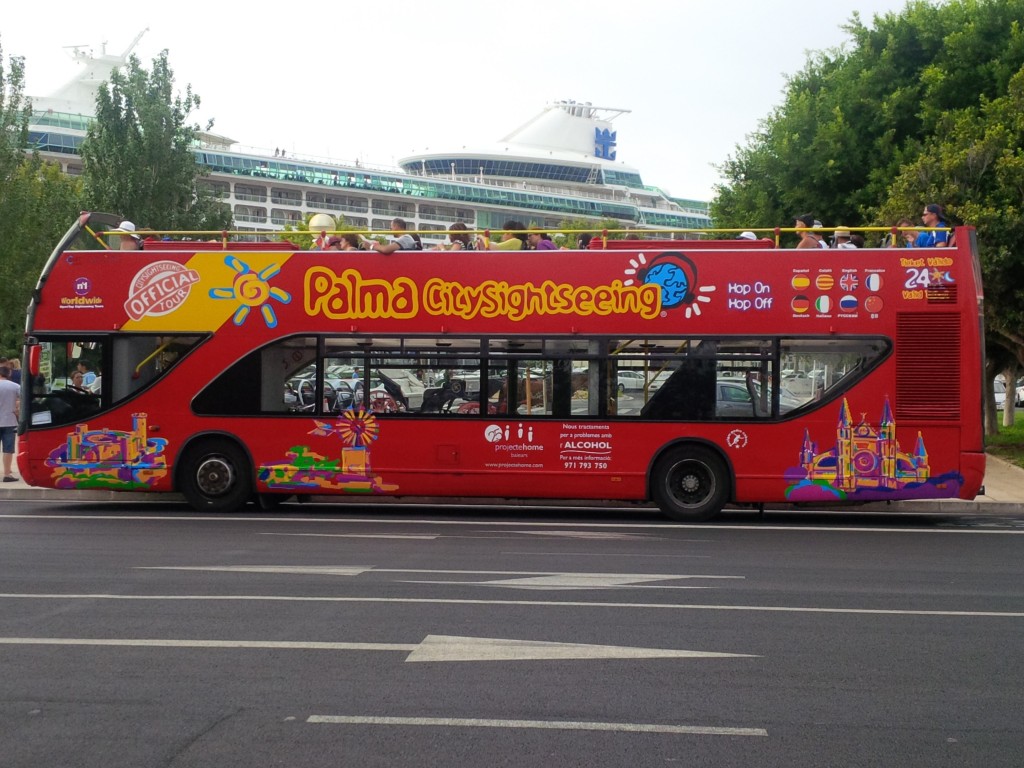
674	282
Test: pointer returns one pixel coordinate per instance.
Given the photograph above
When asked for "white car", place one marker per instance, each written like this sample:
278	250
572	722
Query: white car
1000	392
634	381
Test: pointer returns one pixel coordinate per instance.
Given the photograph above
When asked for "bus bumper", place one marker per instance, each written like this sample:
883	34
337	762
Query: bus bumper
972	469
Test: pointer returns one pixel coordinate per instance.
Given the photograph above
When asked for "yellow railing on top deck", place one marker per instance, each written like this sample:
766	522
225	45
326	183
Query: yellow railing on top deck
769	233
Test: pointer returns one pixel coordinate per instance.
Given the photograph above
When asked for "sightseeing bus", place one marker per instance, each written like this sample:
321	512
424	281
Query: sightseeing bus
694	374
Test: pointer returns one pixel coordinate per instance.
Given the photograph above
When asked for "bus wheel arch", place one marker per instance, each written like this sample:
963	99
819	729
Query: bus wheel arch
214	473
691	481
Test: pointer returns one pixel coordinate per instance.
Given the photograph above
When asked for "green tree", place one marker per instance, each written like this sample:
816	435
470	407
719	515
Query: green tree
37	205
137	156
924	105
856	114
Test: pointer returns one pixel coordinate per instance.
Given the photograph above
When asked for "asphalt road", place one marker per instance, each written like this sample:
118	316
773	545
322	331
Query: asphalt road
147	635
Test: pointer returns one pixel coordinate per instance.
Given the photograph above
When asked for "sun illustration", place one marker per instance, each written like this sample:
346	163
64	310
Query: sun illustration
357	429
251	289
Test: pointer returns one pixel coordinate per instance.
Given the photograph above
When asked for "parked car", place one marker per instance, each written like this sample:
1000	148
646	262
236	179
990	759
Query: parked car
1000	393
734	400
634	381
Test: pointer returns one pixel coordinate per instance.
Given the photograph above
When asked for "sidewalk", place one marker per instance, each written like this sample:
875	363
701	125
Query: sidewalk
1004	495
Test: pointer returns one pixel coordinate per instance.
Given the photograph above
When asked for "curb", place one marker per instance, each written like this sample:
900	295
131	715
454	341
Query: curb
925	506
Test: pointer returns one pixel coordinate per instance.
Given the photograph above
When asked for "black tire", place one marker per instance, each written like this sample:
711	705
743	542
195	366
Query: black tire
270	501
690	484
215	476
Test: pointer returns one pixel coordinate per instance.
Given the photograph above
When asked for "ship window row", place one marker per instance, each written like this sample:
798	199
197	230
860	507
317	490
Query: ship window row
417	187
61	120
623	178
507	168
62	143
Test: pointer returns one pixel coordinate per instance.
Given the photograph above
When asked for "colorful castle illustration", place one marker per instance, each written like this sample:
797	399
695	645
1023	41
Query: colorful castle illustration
864	457
109	458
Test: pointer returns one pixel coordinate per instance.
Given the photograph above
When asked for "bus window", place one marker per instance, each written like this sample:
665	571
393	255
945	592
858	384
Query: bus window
278	378
816	369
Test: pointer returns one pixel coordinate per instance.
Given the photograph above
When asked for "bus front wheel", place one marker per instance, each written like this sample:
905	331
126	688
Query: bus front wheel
690	484
216	476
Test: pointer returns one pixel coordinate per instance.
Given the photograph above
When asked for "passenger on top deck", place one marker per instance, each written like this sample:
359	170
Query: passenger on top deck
511	240
807	240
933	216
457	239
904	238
402	242
820	238
540	241
843	239
129	241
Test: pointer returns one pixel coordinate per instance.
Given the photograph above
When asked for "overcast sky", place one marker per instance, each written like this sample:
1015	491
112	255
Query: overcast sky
378	81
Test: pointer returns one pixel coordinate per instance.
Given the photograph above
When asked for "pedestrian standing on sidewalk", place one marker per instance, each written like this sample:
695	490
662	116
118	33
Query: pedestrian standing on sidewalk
10	395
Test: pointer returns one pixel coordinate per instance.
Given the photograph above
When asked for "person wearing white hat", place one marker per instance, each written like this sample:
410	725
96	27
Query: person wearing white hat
129	240
843	239
746	236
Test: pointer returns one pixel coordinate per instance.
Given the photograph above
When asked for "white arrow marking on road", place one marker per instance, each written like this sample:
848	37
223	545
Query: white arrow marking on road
446	648
578	581
433	648
530	580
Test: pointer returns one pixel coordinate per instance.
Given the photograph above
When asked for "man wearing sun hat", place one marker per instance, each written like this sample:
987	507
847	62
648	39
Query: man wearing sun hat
129	240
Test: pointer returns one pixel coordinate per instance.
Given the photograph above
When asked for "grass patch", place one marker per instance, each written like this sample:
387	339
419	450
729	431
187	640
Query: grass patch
1009	443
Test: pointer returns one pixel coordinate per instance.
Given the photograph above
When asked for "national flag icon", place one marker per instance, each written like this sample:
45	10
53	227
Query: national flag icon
824	282
848	282
800	282
800	304
873	282
823	304
848	303
873	304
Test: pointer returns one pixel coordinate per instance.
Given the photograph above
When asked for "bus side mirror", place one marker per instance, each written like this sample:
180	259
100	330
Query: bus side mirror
34	353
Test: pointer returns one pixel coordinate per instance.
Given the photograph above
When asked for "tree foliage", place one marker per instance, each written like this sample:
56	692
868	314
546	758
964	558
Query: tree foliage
37	205
925	105
137	156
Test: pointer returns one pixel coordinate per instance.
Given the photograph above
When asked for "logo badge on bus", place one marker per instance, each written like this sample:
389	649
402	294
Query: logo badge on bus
159	289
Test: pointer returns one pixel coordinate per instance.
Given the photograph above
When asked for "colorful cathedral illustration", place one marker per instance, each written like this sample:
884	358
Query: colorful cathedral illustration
864	458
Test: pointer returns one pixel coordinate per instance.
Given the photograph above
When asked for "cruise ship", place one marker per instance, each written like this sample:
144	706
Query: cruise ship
559	165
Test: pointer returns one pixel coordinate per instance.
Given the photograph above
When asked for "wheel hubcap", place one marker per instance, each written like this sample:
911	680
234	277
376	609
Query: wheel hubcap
215	476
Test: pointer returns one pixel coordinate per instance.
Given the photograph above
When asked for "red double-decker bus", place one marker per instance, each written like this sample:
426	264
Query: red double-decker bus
692	374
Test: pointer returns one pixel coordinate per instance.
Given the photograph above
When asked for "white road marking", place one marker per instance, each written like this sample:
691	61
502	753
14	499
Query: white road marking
422	537
356	570
538	603
583	535
556	725
666	526
576	581
433	648
317	570
514	584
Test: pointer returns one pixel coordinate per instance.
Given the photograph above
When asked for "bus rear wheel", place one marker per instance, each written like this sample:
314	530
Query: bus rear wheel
690	484
216	476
